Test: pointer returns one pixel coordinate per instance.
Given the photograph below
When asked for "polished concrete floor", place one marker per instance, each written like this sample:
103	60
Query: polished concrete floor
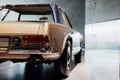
95	65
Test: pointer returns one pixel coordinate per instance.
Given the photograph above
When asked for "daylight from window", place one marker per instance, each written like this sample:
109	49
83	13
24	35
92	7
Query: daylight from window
104	35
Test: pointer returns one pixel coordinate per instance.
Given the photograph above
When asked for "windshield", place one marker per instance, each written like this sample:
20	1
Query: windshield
37	13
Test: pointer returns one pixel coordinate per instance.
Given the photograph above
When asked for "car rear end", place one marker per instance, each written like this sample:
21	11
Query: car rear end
23	34
31	42
18	39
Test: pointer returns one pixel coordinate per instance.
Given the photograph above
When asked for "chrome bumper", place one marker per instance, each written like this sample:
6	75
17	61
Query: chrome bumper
25	54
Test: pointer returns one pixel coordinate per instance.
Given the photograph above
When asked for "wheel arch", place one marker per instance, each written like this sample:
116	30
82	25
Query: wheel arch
67	38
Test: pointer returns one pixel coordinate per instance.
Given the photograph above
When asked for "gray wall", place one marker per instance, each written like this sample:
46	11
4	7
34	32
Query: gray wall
103	17
74	8
102	10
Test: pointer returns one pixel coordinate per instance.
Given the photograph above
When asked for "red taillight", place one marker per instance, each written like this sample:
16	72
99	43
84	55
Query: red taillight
35	39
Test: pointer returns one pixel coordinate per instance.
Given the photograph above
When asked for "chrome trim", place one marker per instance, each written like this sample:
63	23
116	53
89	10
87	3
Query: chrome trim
18	51
52	56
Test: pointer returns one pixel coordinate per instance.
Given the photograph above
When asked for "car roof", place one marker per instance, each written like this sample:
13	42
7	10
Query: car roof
30	8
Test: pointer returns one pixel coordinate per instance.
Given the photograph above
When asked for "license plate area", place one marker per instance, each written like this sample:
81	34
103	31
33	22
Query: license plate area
4	44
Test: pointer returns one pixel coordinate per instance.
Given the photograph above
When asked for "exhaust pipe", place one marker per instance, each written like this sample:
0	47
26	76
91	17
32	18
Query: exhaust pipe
36	59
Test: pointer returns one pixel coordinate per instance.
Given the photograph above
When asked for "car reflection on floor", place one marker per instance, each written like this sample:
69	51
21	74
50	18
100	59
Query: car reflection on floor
95	65
38	72
23	71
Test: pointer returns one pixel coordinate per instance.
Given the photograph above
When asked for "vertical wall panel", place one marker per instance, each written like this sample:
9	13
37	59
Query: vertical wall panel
102	10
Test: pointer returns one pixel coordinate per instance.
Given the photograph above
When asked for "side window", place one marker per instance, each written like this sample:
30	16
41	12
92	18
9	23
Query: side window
64	19
61	16
3	13
12	16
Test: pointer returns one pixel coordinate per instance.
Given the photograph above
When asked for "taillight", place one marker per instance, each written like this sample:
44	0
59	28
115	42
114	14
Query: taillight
39	43
35	39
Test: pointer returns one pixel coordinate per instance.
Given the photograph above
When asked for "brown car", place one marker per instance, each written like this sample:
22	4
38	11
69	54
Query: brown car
39	33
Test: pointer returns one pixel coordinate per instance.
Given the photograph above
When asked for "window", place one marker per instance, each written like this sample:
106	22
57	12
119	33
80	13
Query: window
3	12
36	17
61	16
27	13
12	16
64	19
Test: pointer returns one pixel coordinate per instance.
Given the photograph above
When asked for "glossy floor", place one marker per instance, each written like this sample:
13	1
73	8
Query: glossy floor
98	65
95	65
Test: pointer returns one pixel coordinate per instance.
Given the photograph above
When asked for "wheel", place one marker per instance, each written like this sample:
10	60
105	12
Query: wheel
78	57
63	64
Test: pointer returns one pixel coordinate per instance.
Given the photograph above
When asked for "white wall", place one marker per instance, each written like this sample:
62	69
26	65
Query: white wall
105	35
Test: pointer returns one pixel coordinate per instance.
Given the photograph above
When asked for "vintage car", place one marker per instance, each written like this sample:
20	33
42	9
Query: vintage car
39	33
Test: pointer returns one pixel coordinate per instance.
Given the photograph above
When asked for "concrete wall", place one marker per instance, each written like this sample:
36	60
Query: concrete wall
102	10
102	24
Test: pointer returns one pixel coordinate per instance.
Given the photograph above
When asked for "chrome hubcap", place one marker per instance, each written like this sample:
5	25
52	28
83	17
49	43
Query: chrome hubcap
68	56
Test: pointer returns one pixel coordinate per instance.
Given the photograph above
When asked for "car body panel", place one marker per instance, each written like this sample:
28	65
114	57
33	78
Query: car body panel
16	28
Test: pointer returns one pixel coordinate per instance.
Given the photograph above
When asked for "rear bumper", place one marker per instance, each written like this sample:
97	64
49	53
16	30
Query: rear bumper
7	56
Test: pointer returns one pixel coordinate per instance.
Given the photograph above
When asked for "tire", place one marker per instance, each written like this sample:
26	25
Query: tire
78	57
63	64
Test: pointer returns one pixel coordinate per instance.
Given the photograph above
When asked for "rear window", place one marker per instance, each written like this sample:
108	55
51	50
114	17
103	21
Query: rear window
3	13
36	17
29	13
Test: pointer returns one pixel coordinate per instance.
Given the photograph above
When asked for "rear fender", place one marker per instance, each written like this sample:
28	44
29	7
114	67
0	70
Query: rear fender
58	35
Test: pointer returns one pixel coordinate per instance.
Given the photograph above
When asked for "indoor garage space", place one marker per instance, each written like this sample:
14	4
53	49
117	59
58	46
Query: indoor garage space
99	23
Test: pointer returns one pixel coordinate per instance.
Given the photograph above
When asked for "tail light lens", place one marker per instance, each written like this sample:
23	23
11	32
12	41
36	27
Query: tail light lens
36	39
31	42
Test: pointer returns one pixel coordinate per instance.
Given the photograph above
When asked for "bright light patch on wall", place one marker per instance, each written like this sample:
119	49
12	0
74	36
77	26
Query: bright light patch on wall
105	35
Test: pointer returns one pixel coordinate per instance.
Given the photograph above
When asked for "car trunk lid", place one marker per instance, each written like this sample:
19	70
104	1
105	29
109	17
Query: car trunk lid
18	28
